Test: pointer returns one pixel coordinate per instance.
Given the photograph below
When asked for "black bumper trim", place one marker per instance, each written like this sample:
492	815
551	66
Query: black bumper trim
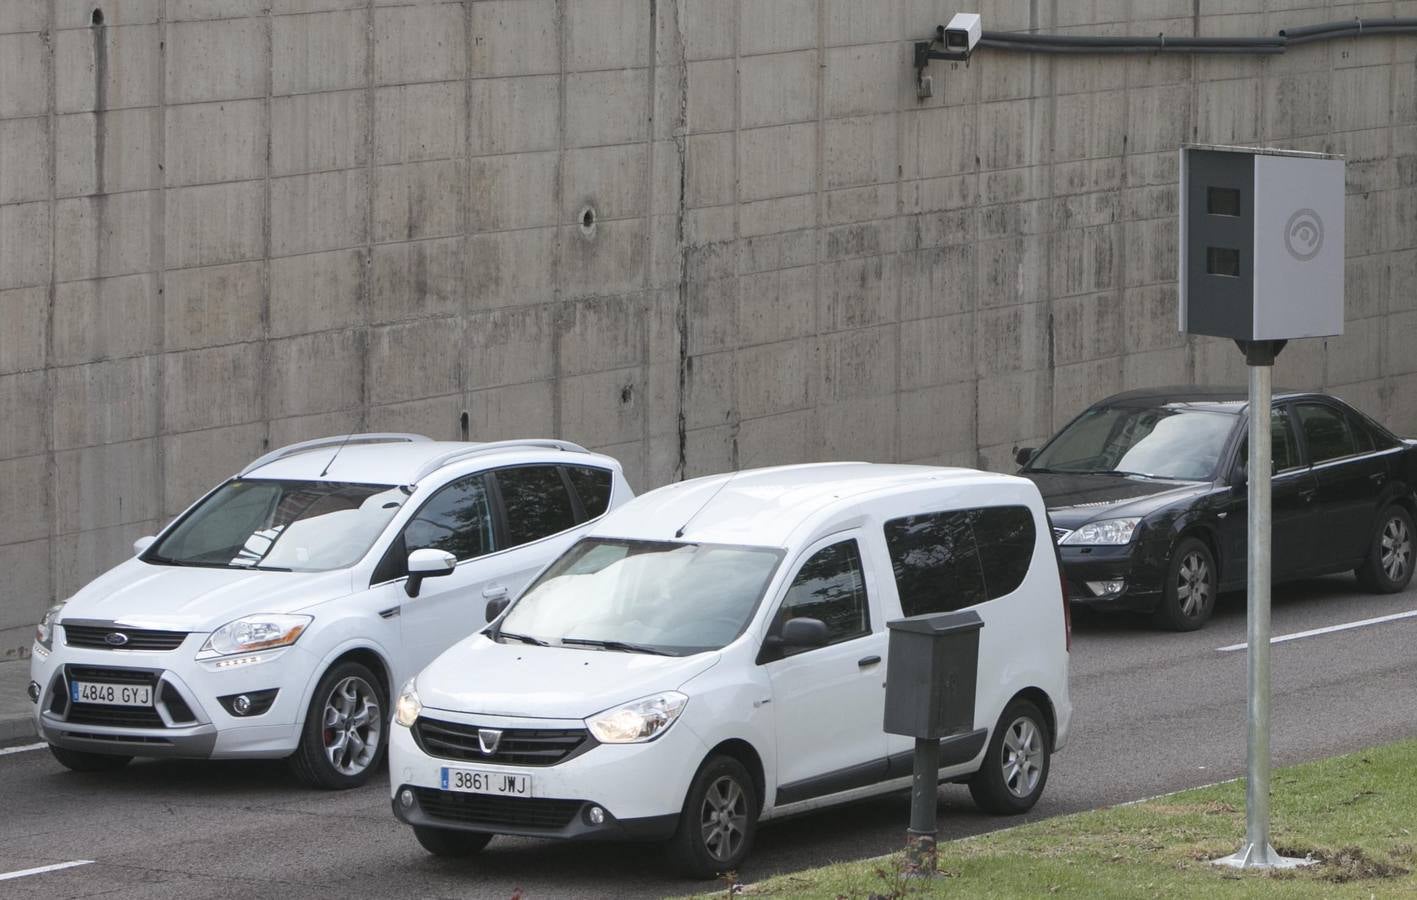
649	828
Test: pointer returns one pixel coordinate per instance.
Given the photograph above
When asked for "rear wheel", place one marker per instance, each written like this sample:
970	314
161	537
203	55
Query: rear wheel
718	822
342	741
1015	766
1388	567
450	843
1188	596
83	761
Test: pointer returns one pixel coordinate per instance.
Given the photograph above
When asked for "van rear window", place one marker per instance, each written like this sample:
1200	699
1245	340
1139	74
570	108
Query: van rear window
950	560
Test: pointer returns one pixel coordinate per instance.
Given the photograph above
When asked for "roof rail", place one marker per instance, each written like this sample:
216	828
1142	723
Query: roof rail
462	453
373	437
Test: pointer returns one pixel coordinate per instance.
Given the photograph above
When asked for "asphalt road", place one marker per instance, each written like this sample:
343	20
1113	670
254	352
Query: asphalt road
1154	713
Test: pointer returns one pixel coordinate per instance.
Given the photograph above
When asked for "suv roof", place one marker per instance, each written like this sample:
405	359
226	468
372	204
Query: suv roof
765	506
386	458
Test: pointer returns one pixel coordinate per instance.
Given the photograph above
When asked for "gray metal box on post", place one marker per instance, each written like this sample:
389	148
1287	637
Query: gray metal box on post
931	673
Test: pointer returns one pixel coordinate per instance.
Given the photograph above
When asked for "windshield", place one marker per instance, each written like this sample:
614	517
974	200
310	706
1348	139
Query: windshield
1158	442
646	596
292	526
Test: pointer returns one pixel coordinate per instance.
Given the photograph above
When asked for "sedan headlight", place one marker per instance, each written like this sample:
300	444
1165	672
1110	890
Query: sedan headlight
44	631
638	721
1108	532
409	706
265	631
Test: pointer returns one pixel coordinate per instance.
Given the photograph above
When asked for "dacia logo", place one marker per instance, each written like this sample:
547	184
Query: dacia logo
488	740
115	639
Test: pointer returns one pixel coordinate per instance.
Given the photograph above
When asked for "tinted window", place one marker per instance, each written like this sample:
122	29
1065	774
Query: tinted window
935	562
535	501
830	587
1005	537
457	519
1362	437
593	487
1326	432
1284	448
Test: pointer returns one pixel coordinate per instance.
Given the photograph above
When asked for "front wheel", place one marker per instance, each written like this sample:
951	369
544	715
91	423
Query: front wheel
450	843
1015	766
718	822
1388	566
1188	596
343	739
82	761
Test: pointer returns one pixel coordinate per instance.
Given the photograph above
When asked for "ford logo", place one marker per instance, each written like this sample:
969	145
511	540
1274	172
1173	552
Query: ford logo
115	639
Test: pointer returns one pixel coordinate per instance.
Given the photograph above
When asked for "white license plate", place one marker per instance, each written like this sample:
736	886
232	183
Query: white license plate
110	694
476	781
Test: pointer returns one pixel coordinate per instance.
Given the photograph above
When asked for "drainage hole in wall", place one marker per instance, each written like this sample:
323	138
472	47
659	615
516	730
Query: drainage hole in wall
588	221
97	17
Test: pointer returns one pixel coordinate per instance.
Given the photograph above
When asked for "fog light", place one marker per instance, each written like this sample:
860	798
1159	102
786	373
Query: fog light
241	705
596	815
33	691
406	798
1106	588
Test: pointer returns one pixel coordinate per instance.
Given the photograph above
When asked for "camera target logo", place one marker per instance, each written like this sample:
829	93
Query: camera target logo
1304	235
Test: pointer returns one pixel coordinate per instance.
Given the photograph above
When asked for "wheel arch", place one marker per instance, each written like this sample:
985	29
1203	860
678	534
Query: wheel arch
1039	698
1207	536
747	754
363	653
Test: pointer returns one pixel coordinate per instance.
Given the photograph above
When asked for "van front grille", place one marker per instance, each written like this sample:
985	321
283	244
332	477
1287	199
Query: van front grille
493	811
514	746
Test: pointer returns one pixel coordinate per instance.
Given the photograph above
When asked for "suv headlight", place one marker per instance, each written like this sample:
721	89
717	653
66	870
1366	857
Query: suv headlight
639	720
264	631
409	706
44	631
1108	532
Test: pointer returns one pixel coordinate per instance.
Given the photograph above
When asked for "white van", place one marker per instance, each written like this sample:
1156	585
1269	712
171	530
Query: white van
713	654
275	616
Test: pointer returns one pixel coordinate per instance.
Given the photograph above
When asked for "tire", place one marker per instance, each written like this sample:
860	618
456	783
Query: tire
1188	595
83	761
1016	764
449	843
722	794
1388	566
346	717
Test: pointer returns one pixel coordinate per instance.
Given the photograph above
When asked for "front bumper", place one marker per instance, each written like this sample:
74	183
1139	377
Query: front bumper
639	787
186	719
1133	564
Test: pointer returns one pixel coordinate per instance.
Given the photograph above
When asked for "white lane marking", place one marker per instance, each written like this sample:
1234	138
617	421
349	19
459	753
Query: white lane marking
6	876
27	747
1412	613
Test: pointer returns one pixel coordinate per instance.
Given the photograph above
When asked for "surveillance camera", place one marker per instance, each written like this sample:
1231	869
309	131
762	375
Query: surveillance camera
962	35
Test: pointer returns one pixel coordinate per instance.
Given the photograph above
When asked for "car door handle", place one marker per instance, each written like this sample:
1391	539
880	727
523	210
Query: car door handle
866	661
492	592
1307	495
1378	477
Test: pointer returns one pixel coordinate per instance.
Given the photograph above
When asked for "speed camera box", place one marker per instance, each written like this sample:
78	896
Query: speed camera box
1261	243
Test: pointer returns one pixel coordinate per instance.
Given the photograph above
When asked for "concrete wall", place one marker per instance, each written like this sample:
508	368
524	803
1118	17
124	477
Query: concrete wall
224	227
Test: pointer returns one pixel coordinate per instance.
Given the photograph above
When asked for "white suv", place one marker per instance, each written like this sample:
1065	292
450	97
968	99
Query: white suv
713	655
274	616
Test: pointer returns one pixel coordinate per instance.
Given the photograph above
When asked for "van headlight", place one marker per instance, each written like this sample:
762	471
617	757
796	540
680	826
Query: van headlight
44	631
264	631
637	721
409	706
1108	532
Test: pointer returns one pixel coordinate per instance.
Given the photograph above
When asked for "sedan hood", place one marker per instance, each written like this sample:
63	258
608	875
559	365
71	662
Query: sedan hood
1073	500
190	598
479	675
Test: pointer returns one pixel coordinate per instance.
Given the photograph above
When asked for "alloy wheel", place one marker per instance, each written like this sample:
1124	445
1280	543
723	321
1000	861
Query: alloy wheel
1396	549
353	725
724	818
1193	588
1022	757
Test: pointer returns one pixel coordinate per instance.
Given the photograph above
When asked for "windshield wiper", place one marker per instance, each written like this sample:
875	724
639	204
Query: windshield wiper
524	638
614	645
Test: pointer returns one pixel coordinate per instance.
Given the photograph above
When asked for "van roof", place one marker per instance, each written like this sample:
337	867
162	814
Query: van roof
404	461
765	507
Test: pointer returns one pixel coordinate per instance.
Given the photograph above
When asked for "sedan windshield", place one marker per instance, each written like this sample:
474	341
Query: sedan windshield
1157	442
292	526
643	596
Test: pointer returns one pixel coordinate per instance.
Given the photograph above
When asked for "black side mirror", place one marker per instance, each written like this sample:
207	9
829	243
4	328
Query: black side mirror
496	606
804	633
1240	474
1024	455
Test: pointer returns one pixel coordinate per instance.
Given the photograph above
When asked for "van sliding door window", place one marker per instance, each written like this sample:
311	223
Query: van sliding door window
949	560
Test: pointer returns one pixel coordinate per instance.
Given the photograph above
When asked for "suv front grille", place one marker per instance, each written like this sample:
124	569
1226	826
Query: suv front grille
95	636
516	746
505	812
115	716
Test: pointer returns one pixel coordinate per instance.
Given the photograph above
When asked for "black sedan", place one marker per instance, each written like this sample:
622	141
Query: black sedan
1146	491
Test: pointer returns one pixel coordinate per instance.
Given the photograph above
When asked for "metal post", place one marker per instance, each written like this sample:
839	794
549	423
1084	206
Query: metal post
924	794
1257	852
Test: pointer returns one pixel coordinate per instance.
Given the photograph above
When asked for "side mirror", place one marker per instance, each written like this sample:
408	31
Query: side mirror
496	606
143	543
1024	455
427	563
804	633
1240	474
